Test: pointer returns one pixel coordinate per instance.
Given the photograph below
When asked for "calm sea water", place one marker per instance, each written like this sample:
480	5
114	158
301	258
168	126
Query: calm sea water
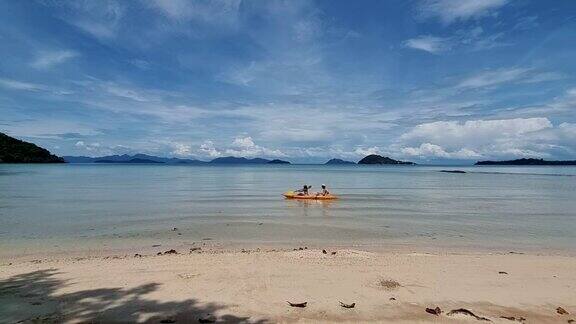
45	207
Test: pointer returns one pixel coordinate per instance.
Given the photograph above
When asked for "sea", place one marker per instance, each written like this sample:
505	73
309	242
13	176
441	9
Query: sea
95	207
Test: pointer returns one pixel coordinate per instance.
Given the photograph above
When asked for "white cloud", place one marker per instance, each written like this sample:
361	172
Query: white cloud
19	85
437	151
208	148
493	77
363	151
181	149
245	147
217	12
520	137
429	44
449	11
48	59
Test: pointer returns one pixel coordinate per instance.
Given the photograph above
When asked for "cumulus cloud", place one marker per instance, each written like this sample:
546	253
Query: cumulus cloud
245	147
430	44
520	137
433	150
449	11
49	59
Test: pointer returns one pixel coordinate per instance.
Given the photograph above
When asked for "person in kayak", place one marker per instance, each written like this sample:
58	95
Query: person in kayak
324	191
304	191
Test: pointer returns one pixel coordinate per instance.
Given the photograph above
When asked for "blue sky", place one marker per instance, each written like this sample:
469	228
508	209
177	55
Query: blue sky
423	80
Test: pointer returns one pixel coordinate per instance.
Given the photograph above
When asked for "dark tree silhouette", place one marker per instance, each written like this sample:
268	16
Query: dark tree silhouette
37	293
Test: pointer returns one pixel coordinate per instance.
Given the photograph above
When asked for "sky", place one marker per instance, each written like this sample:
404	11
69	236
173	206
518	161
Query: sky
430	81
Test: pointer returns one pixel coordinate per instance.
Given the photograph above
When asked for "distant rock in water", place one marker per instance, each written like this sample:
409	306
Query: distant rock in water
338	161
13	150
453	171
238	160
277	161
135	161
377	159
526	162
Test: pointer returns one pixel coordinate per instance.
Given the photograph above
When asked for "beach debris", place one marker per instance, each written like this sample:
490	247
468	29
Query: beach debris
453	171
391	298
156	245
389	284
207	319
207	239
502	272
571	321
260	223
137	255
179	233
168	320
174	229
334	253
434	311
324	252
512	318
171	251
35	303
301	305
561	311
514	252
195	249
347	305
464	311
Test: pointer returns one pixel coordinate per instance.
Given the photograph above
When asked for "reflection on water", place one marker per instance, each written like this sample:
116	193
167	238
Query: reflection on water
507	206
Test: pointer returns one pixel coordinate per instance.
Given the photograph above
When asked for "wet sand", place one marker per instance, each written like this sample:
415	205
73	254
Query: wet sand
253	286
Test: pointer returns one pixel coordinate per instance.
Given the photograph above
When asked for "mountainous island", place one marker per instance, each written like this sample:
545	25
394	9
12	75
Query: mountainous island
277	161
381	160
125	158
150	159
13	150
526	162
338	162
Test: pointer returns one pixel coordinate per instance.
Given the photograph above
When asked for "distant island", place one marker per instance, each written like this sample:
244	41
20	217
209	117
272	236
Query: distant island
13	150
125	158
526	162
378	159
277	161
338	162
150	159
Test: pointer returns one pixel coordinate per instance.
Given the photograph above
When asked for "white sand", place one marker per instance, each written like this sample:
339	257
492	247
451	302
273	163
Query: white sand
255	286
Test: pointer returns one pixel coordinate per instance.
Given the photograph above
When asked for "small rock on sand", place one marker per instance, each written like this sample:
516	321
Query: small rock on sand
324	251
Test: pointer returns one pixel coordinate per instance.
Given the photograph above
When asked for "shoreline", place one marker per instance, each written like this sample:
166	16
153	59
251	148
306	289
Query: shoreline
214	246
252	286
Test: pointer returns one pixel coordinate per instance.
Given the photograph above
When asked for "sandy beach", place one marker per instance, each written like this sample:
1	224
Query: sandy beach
254	286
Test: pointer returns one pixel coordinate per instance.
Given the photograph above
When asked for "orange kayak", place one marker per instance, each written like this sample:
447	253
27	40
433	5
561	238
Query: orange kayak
294	195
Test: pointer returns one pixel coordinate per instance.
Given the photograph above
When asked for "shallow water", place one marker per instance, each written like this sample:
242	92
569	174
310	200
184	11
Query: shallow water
75	206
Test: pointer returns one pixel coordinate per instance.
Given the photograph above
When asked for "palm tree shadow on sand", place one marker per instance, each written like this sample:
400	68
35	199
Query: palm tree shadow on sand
34	298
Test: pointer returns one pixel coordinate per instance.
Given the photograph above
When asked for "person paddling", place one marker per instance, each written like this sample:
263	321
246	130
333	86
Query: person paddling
304	191
324	191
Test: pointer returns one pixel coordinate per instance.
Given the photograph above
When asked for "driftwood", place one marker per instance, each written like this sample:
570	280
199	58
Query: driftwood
347	305
467	312
561	311
434	311
301	305
512	318
207	319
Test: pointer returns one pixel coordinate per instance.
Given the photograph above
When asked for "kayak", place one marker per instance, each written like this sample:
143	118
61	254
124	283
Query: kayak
294	195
